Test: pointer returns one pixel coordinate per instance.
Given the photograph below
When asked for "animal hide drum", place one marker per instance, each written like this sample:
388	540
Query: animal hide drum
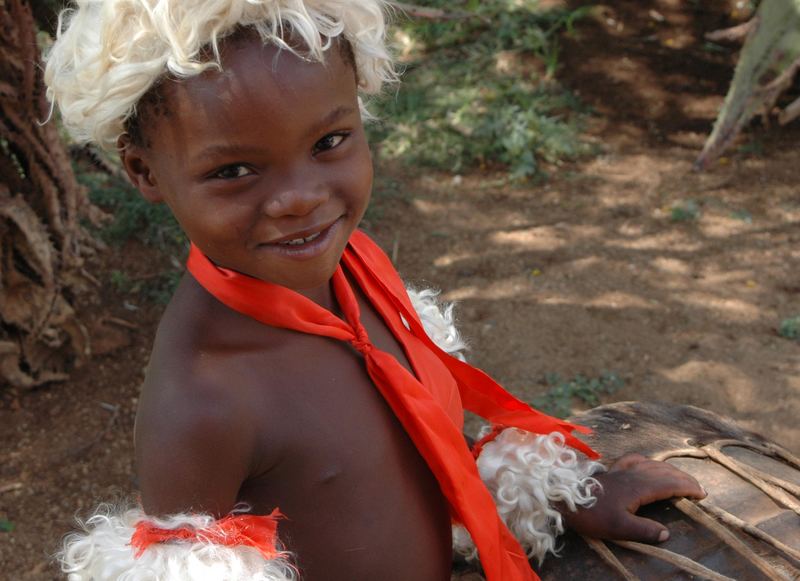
748	528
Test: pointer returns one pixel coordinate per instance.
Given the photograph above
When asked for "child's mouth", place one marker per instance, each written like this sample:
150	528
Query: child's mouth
300	241
308	246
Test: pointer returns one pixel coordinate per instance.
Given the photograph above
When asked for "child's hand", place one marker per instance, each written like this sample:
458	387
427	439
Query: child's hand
631	482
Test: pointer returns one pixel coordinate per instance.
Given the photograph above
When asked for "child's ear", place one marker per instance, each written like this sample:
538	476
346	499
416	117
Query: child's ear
135	163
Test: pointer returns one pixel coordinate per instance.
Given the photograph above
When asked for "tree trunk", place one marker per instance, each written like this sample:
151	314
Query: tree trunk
42	243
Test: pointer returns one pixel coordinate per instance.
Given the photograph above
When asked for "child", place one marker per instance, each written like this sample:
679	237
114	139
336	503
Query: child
300	417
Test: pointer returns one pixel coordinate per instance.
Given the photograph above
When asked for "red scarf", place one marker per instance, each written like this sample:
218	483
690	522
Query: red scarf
436	436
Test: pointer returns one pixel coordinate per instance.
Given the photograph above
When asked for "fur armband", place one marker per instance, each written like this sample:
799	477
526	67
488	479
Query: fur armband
527	474
182	547
437	320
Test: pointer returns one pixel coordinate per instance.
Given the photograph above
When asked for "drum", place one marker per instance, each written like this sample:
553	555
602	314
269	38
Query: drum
747	528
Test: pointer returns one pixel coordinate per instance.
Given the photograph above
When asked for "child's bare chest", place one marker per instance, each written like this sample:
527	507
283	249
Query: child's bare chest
361	502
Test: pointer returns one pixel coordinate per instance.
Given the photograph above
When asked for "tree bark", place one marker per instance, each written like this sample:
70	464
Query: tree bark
42	242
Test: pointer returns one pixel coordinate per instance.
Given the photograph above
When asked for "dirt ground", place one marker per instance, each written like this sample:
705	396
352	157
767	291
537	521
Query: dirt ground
588	272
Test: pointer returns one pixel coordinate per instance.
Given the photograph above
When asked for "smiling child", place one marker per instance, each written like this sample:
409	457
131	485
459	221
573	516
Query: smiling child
301	414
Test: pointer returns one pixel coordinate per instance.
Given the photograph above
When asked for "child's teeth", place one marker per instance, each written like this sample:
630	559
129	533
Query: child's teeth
298	241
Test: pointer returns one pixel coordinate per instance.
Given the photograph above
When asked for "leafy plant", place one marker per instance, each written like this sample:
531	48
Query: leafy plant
764	72
6	526
790	328
121	281
562	393
160	289
685	211
385	187
134	217
743	216
458	105
753	147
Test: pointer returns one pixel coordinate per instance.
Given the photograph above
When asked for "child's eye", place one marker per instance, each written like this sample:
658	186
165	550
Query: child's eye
231	172
330	141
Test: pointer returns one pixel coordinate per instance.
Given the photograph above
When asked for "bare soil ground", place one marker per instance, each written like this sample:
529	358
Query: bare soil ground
588	272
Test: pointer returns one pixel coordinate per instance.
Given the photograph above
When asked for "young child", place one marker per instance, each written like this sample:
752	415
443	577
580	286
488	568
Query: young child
301	416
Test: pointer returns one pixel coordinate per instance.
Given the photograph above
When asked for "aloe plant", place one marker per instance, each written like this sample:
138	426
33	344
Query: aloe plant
769	60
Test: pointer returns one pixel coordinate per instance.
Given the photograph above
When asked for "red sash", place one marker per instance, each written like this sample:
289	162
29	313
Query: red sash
437	437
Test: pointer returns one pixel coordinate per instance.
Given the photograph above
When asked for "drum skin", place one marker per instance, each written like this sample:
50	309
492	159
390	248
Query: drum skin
678	433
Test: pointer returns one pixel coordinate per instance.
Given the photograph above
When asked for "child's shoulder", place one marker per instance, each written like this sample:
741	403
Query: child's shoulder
204	406
200	350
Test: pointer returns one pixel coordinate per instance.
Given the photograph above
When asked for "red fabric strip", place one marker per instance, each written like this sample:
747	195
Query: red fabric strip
235	530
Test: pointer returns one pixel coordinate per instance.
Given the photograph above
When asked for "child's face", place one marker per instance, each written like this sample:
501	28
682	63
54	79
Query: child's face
270	150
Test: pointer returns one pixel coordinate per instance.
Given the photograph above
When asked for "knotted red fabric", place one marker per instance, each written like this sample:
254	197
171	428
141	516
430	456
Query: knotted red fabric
436	434
233	530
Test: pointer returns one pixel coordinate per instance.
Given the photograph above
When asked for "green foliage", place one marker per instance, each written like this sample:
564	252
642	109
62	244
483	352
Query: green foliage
742	216
685	211
385	187
458	106
754	147
121	281
790	328
6	526
134	217
562	393
709	46
160	289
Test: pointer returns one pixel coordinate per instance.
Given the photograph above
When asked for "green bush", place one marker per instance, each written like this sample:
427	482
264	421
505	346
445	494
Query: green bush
133	216
790	328
562	393
456	109
685	211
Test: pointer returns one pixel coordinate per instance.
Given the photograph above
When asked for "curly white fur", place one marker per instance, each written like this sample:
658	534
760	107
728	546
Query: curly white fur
463	544
109	53
527	474
438	321
102	552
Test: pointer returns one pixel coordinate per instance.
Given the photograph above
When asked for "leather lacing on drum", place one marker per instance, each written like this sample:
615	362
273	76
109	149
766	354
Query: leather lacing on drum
782	492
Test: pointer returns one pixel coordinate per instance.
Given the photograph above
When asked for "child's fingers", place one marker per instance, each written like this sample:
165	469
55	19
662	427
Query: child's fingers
665	487
661	479
671	479
637	528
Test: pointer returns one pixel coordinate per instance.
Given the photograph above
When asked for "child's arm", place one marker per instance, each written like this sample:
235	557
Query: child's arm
193	453
194	446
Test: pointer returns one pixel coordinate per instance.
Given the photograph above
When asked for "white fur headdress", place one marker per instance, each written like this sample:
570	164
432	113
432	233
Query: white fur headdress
109	53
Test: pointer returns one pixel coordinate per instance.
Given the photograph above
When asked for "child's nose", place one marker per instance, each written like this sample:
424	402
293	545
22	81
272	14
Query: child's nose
295	202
